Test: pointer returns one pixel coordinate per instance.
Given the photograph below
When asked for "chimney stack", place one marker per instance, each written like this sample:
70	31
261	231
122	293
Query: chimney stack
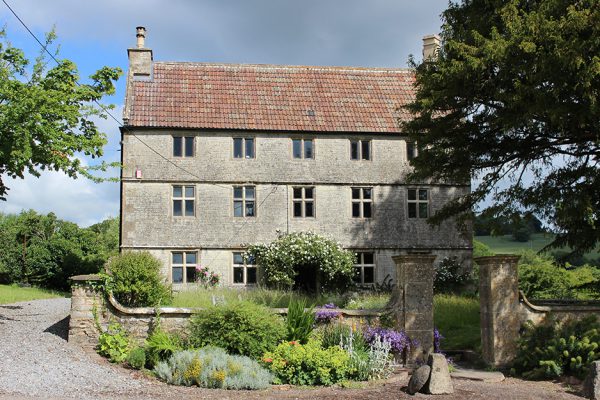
141	36
431	47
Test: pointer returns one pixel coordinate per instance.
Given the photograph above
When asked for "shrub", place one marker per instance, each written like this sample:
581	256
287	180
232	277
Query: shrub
135	281
212	367
398	340
540	278
450	276
299	322
308	364
282	260
343	336
240	328
137	358
114	343
160	346
559	349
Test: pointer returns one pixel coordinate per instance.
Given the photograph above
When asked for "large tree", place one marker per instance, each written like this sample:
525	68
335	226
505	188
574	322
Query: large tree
46	116
511	103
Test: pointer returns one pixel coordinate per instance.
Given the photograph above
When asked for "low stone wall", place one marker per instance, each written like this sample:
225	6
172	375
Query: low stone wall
542	312
92	311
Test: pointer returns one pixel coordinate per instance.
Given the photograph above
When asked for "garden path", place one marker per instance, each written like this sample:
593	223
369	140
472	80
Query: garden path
36	362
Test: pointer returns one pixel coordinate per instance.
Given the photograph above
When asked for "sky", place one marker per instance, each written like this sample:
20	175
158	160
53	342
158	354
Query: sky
367	33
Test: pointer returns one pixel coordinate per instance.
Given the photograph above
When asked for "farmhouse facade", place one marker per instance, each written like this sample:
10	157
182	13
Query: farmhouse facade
219	156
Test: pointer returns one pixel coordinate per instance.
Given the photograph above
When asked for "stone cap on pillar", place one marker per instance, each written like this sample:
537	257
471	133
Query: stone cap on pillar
499	258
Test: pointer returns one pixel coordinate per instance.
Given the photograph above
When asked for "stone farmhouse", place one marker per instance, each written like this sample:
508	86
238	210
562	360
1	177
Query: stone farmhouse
218	156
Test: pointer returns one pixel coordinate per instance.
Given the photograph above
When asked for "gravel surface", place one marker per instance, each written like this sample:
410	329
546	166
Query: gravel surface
36	362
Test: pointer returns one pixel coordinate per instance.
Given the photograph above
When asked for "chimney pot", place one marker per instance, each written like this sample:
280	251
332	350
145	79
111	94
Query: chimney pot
431	47
141	36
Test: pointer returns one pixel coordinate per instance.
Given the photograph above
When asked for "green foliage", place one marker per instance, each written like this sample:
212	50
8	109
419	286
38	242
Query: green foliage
137	358
299	322
309	364
114	343
513	98
450	276
339	334
45	251
212	367
547	352
539	278
481	250
282	260
46	118
161	345
239	328
457	319
135	280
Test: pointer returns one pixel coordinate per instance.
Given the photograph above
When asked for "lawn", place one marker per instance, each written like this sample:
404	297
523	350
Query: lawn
505	244
13	294
457	319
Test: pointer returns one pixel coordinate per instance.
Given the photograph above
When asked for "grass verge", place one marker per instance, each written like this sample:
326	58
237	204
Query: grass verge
457	319
13	294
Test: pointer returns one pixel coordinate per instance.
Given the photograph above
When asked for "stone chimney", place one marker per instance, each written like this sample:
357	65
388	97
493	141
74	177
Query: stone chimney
431	47
140	58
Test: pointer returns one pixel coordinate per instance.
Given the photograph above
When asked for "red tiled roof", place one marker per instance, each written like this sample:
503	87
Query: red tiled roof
270	97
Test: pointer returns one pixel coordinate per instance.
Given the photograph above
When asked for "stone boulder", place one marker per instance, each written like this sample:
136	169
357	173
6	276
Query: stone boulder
418	379
439	380
591	385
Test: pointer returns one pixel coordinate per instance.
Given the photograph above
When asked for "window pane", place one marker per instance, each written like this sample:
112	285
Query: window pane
356	210
189	146
354	150
422	194
250	192
356	277
189	191
422	210
297	209
369	274
297	148
177	258
367	210
237	209
368	258
367	193
410	150
412	194
309	210
308	193
249	148
366	149
190	258
308	149
190	274
177	150
250	275
177	191
355	193
412	210
249	209
238	148
177	274
238	275
297	193
189	208
250	260
177	208
238	192
237	258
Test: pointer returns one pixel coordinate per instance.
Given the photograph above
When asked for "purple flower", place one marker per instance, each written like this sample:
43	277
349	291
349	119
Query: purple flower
437	339
327	313
399	341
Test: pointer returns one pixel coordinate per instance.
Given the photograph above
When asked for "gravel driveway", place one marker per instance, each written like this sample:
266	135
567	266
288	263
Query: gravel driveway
37	362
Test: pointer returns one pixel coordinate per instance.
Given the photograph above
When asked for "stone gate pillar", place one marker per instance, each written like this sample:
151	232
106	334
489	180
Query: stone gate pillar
85	302
412	302
498	305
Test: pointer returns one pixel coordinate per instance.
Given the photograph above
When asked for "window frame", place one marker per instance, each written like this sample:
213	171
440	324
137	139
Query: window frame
412	151
184	199
303	200
244	139
361	265
361	201
417	202
184	146
184	265
303	148
244	200
360	152
244	266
